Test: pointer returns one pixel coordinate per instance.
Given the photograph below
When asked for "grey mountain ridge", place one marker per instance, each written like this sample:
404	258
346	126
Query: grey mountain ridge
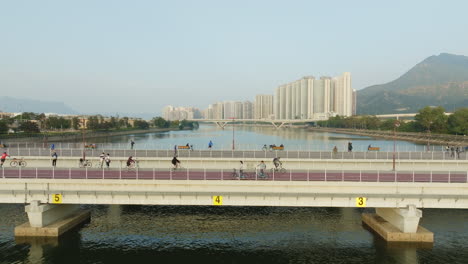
436	81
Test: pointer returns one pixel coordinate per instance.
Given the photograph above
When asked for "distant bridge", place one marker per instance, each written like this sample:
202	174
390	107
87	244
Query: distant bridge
277	123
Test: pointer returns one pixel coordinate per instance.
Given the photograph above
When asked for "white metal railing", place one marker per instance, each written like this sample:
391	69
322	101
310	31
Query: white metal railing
222	174
297	154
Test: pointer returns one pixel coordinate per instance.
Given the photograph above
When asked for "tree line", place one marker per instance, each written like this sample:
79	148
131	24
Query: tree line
35	123
428	119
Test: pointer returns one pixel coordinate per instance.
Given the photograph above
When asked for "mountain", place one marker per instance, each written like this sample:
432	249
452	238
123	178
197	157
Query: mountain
10	104
436	81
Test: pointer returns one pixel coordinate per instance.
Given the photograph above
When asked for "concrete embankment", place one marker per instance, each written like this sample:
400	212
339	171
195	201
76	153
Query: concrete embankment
440	139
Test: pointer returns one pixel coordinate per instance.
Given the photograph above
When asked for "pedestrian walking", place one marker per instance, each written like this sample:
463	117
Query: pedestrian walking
102	157
458	152
54	159
210	145
132	143
452	151
350	147
108	160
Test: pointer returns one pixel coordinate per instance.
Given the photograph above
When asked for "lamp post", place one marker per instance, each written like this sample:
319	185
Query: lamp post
396	124
233	119
84	138
429	135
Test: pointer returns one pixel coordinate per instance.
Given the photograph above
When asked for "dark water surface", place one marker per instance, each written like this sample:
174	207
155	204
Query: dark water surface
204	234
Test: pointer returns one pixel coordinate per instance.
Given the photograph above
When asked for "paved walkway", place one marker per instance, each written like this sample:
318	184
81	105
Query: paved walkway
184	174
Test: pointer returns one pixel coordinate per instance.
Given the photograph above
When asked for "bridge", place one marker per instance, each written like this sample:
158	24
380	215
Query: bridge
277	123
422	180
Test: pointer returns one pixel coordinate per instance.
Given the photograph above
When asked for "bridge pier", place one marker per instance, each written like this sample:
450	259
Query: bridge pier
51	220
398	224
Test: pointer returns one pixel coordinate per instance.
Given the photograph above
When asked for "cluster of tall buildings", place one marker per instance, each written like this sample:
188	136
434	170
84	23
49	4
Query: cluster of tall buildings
310	98
172	113
307	98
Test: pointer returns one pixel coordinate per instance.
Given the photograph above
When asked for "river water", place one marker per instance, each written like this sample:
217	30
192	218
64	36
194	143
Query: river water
254	137
205	234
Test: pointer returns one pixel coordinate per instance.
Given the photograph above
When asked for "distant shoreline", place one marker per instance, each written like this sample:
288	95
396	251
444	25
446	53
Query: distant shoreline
440	139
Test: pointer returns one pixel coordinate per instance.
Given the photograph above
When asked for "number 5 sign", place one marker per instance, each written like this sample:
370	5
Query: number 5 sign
56	198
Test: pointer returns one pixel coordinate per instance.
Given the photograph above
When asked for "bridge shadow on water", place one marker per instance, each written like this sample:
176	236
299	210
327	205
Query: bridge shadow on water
208	234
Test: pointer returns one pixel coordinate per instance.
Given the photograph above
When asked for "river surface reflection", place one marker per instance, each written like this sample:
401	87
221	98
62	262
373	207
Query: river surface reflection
203	234
254	137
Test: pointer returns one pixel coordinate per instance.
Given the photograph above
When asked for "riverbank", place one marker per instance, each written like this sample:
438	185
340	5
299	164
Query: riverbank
79	136
440	139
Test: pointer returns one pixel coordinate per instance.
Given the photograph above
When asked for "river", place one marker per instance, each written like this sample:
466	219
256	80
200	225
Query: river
204	234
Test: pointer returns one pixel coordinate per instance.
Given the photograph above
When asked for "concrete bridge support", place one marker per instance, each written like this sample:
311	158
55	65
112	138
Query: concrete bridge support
51	220
398	224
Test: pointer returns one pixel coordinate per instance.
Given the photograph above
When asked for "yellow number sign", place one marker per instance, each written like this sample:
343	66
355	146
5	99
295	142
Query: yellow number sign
361	202
57	198
217	200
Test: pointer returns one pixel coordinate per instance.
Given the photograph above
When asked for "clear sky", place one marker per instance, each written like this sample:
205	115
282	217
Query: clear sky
137	56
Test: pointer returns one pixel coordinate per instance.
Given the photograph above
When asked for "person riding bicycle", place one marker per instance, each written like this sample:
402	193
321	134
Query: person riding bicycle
175	162
277	162
130	161
3	158
261	168
241	169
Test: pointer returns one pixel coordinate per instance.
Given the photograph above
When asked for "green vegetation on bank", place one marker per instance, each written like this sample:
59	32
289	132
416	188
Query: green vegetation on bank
428	119
28	124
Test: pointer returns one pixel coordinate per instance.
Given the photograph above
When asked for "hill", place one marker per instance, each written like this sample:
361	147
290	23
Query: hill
10	104
436	81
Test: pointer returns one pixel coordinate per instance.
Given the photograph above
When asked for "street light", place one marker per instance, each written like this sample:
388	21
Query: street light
429	135
84	138
233	119
396	124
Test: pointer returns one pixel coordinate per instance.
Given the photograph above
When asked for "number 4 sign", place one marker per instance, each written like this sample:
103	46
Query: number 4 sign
217	200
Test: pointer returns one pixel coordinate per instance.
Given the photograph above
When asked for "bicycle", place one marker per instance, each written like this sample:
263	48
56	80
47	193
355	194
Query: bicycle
85	164
100	164
261	174
279	169
239	175
133	165
18	162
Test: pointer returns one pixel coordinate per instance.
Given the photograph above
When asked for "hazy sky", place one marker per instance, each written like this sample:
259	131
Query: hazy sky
137	56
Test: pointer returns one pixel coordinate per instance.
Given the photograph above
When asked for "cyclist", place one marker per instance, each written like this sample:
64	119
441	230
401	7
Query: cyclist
175	162
261	168
264	148
241	170
277	163
3	158
130	162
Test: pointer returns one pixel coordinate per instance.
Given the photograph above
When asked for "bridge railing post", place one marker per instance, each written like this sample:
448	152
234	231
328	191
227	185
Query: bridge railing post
222	174
170	174
326	175
69	173
188	174
204	174
308	177
86	172
360	176
449	177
